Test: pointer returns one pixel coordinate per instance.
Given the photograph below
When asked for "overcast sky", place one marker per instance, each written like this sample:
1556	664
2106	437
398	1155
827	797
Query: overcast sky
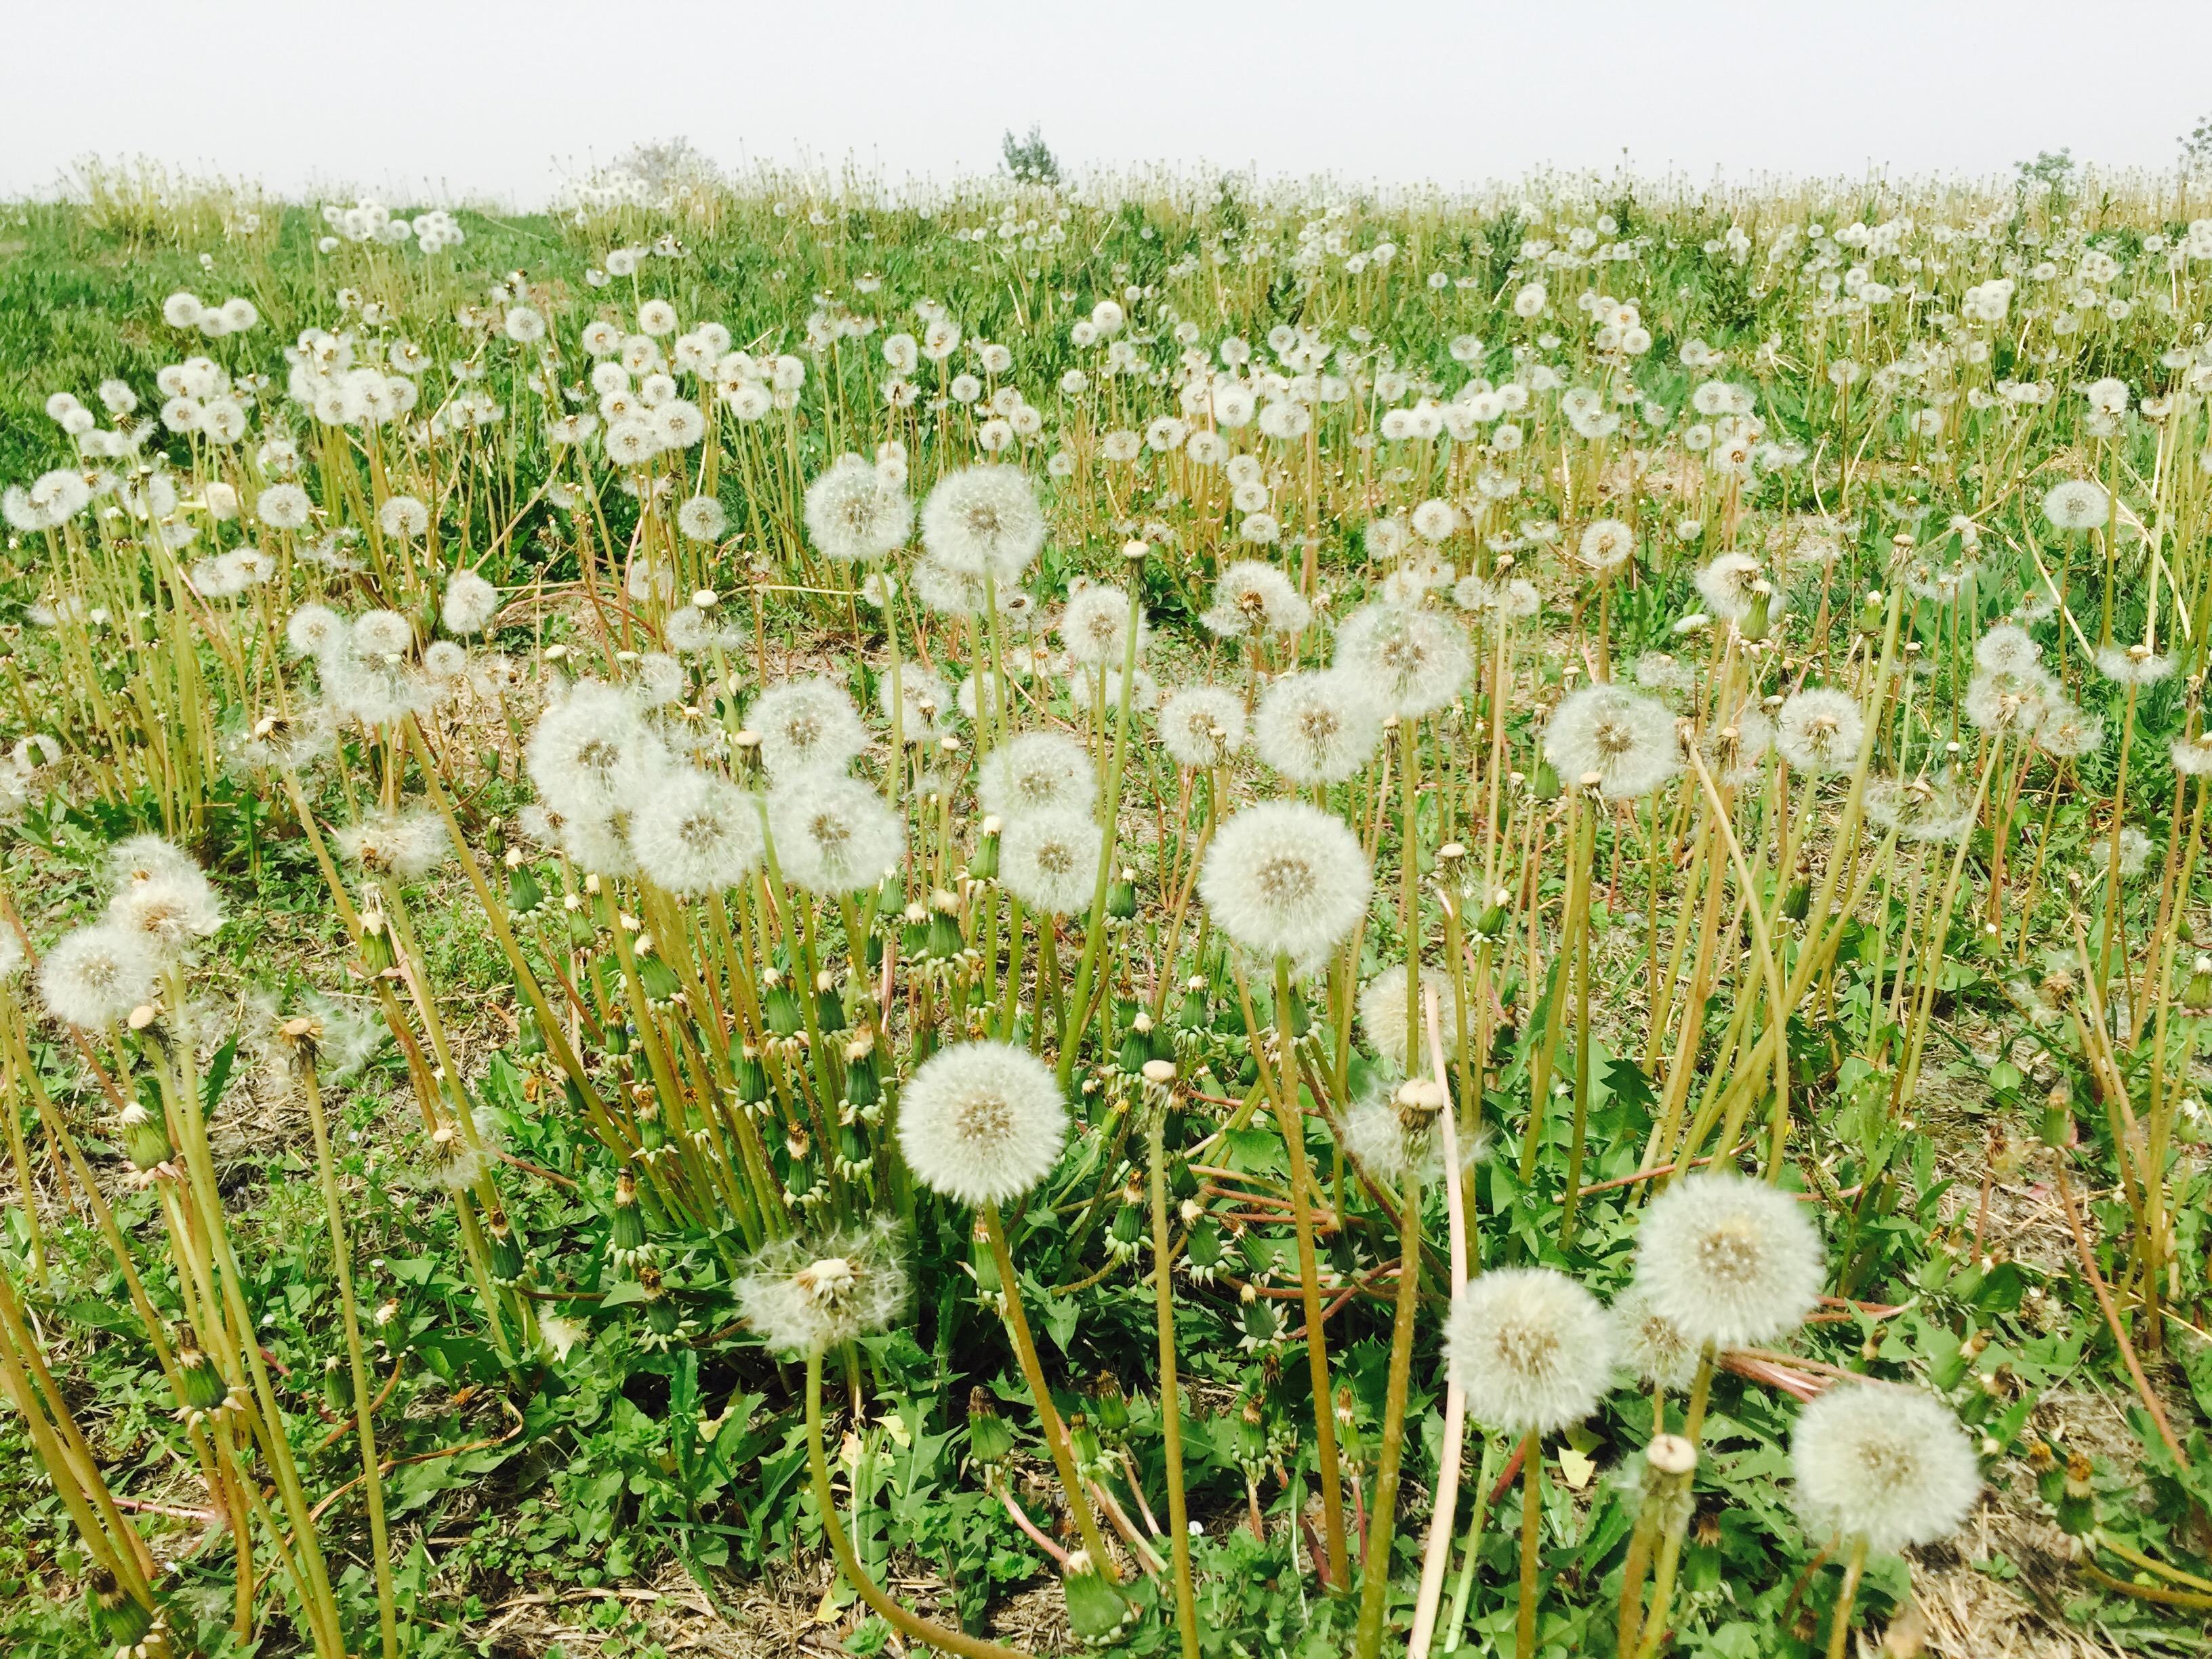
423	100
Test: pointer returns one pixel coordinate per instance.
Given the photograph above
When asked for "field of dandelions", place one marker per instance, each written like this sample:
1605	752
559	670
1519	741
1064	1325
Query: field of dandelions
1160	917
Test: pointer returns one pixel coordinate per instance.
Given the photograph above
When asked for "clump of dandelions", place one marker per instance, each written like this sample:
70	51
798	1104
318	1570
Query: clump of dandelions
1285	879
855	513
1317	727
1050	860
1202	725
983	521
1036	772
1623	739
981	1122
1818	729
801	1294
1729	1260
1530	1348
1890	1466
161	897
1413	662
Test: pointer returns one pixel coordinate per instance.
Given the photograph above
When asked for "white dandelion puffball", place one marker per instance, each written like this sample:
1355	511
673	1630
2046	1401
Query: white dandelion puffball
800	1294
1050	860
469	603
832	834
981	1122
1891	1466
1253	598
1285	879
592	754
695	833
2076	504
1382	1011
1652	1347
1036	772
1531	1349
1413	662
94	977
1202	725
1730	1260
1318	727
855	514
806	725
1623	739
1818	730
984	521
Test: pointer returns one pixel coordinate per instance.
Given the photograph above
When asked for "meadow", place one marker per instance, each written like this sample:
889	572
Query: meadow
1163	914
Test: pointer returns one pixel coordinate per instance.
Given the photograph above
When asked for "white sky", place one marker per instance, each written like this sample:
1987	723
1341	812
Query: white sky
430	99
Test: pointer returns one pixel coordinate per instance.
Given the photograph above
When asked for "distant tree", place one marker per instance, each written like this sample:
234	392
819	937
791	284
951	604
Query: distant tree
671	165
2054	170
2197	146
1031	158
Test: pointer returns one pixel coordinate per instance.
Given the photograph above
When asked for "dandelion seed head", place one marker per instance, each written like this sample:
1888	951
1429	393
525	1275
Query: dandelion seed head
1318	726
801	1294
833	834
806	725
984	521
1819	730
408	845
1413	662
1891	1466
1285	879
1531	1350
1035	772
981	1122
1730	1260
1202	725
94	977
1623	738
1050	860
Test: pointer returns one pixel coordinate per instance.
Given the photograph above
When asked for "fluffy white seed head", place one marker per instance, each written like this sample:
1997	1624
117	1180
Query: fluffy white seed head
1531	1349
1891	1466
1095	626
1202	725
856	514
1285	879
94	977
1050	860
591	753
806	725
469	603
1623	738
695	833
1036	772
1317	727
1818	730
1730	1260
1412	662
1382	1011
981	1122
407	845
832	834
984	521
1653	1348
800	1294
1251	598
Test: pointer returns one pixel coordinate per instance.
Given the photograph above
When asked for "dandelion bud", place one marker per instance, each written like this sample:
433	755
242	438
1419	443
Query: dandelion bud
990	1441
118	1621
2197	996
145	1138
338	1384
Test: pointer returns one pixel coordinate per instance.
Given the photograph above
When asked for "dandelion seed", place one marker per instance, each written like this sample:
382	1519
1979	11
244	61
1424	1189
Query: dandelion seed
1317	727
94	977
984	522
2076	504
806	725
1202	725
1413	662
405	845
1251	598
